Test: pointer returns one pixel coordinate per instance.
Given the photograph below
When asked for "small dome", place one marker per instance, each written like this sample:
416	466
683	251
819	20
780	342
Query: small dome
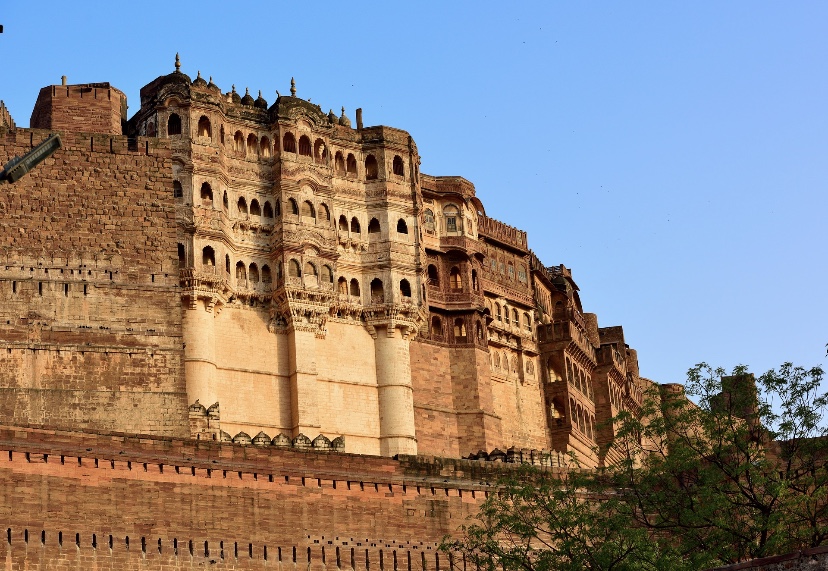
281	440
261	439
247	99
225	437
199	81
261	102
213	86
198	407
332	117
343	120
242	438
235	97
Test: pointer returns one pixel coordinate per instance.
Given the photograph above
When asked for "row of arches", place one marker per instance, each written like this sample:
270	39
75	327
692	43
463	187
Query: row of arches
253	147
615	396
458	328
504	314
374	226
582	419
455	278
352	288
452	220
580	379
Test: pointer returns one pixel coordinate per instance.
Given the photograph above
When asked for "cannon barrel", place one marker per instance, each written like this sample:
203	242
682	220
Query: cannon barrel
16	168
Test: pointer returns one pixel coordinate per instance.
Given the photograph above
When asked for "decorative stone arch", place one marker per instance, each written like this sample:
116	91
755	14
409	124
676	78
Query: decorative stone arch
339	163
455	278
351	164
307	210
241	271
238	142
255	209
460	329
377	291
374	226
206	195
204	127
371	168
294	207
354	287
326	275
342	286
178	190
173	125
268	210
428	221
320	152
242	206
355	229
182	256
305	148
436	325
253	273
264	148
267	276
343	224
289	143
402	227
405	288
253	145
398	168
433	275
294	270
208	256
324	212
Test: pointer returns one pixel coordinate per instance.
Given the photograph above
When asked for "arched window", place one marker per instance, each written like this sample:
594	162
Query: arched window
294	208
264	148
174	125
474	280
277	208
204	129
342	286
343	224
452	218
253	273
310	270
354	287
324	213
339	162
227	263
255	209
355	226
308	210
371	168
479	332
289	143
498	316
208	256
294	271
374	226
206	195
559	311
221	135
460	329
527	323
178	192
402	227
252	145
242	206
405	288
511	271
268	210
241	271
515	318
267	277
433	275
327	274
304	146
238	142
428	221
350	165
320	152
522	273
455	280
436	326
377	291
224	202
398	166
182	256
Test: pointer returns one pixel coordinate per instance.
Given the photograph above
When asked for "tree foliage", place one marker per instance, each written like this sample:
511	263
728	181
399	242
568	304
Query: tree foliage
736	472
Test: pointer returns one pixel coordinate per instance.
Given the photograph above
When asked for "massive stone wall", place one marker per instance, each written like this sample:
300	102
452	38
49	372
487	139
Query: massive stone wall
90	319
150	503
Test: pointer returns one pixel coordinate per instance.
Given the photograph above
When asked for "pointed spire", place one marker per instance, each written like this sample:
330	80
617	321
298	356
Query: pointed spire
199	75
260	93
234	88
292	87
247	91
177	63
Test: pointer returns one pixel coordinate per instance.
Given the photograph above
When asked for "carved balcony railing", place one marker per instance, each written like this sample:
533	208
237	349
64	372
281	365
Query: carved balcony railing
567	331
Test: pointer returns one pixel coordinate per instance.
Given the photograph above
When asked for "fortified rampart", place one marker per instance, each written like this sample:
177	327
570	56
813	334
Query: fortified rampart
237	334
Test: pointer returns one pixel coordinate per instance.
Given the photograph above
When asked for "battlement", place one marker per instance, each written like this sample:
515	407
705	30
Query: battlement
6	121
88	107
501	232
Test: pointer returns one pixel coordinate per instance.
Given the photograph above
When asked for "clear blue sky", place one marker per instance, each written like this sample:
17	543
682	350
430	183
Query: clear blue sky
673	154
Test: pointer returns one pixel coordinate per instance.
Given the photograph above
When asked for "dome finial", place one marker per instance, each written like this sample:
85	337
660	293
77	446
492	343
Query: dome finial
292	87
177	62
247	91
199	74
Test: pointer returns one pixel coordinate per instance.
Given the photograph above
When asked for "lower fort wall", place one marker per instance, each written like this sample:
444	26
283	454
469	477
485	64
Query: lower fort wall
76	500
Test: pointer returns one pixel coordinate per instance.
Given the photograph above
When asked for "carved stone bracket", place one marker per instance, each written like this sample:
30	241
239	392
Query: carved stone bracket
406	317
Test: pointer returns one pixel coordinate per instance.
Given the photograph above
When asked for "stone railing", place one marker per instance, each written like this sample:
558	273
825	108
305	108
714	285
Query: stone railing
546	458
501	232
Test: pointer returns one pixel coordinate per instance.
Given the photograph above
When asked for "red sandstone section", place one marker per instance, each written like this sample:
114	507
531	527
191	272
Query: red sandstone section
87	108
90	318
222	497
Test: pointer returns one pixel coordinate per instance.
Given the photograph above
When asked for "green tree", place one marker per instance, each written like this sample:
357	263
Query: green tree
739	473
567	521
736	472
